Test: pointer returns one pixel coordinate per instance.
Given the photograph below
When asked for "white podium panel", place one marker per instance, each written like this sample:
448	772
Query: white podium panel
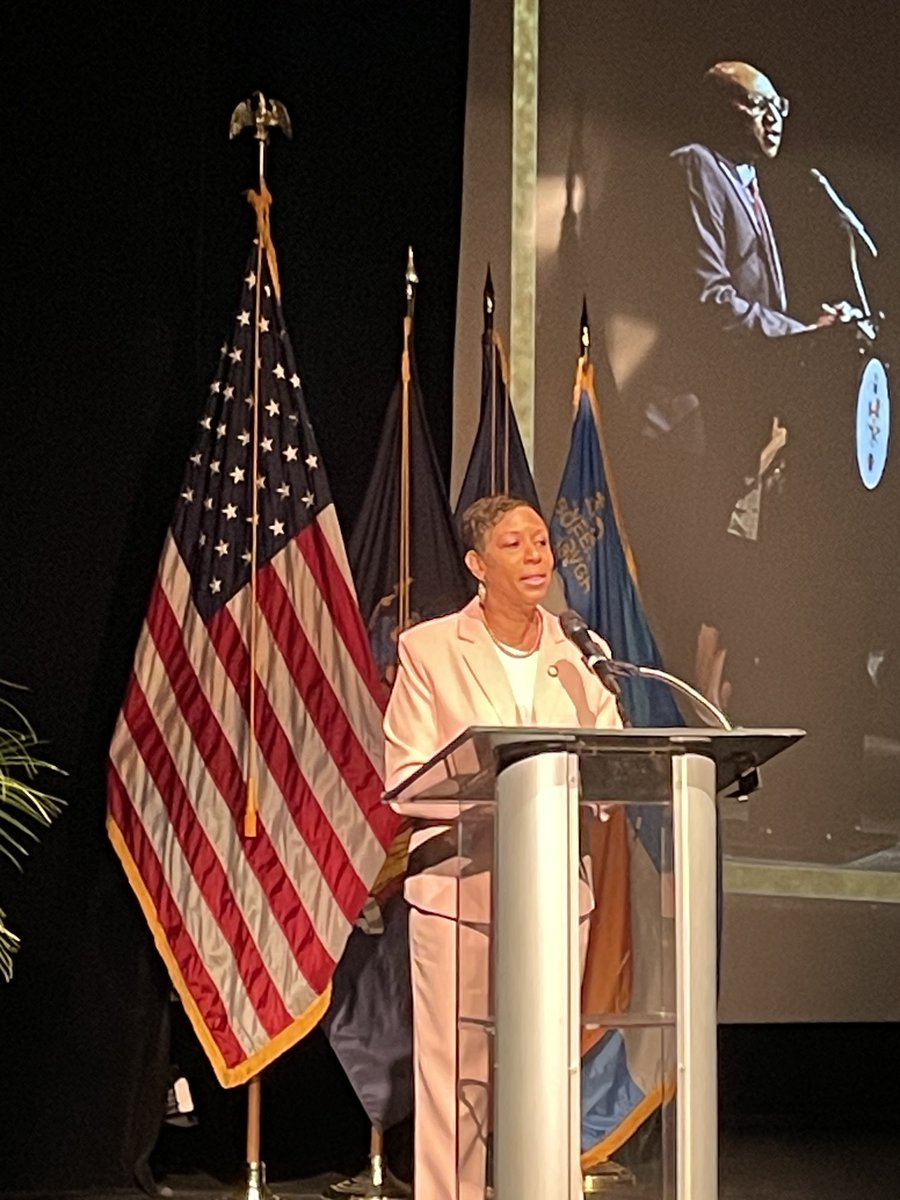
579	872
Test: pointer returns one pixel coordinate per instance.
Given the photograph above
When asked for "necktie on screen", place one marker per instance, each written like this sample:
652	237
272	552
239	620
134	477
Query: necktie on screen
765	229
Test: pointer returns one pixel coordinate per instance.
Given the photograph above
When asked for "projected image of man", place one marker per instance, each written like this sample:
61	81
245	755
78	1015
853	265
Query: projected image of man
715	404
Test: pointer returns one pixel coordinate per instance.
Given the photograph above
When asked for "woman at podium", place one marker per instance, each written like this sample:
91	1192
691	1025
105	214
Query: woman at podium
501	660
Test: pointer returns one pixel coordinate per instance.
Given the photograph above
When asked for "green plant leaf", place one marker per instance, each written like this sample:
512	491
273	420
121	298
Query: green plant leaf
9	944
20	801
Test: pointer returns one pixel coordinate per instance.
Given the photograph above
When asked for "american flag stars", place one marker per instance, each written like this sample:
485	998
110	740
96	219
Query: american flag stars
223	486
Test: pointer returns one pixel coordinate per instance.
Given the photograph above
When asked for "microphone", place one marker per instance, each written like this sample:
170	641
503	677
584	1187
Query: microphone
576	630
608	668
846	215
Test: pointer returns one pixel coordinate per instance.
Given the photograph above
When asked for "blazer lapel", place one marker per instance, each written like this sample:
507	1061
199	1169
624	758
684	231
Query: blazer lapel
742	194
547	690
755	220
483	665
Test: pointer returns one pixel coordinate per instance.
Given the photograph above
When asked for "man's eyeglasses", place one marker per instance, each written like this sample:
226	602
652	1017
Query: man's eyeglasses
756	105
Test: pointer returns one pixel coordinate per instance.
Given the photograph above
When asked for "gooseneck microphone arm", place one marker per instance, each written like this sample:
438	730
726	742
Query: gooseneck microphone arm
845	213
609	669
855	230
632	669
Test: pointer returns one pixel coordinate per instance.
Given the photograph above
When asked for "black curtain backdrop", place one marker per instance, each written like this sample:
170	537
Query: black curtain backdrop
125	247
126	237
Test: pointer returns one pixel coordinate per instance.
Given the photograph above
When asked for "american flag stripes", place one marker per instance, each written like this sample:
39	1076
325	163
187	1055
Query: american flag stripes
252	924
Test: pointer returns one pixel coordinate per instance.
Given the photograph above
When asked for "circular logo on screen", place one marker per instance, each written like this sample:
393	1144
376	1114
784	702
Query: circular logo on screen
873	423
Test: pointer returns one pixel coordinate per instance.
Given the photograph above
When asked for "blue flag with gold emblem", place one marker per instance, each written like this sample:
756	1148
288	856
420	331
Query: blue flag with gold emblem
595	563
624	1077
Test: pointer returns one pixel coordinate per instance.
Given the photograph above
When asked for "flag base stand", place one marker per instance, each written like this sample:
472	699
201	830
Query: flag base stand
375	1183
605	1176
255	1187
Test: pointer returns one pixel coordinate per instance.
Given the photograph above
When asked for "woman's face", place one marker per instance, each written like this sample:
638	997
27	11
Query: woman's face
516	563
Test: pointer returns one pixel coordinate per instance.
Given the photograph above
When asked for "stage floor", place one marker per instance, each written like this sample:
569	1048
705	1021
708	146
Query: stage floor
753	1166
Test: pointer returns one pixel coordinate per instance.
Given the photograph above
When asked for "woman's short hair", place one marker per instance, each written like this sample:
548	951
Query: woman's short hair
480	518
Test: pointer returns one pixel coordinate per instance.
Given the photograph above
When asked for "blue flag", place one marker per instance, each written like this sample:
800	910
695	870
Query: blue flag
625	1076
595	563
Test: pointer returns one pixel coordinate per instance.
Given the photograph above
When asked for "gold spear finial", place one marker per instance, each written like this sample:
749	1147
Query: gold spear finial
412	280
488	301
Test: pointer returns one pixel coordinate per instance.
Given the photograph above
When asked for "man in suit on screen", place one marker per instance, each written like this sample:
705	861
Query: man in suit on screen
715	401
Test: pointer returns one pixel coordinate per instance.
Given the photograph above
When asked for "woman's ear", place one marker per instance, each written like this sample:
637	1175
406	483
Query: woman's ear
475	565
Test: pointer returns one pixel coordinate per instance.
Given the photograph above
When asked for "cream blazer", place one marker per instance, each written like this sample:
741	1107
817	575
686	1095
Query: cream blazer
449	678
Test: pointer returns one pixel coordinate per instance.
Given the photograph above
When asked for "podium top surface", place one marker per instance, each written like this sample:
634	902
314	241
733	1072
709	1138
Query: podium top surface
468	766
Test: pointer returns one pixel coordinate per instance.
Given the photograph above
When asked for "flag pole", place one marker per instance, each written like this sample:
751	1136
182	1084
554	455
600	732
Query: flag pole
261	116
403	613
488	304
376	1183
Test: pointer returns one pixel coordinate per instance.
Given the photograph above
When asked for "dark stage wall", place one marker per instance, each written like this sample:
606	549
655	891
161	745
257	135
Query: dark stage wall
125	251
125	244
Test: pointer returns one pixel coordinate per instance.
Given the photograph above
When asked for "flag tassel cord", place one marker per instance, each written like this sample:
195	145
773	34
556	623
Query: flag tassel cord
261	202
251	809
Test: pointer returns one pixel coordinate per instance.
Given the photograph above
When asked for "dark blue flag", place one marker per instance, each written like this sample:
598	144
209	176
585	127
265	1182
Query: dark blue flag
497	462
369	1024
439	580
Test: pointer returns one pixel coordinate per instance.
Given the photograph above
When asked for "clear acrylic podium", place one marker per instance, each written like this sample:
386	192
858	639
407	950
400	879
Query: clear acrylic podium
584	869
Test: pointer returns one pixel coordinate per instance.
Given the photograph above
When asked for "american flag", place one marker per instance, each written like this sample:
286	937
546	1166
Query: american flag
252	923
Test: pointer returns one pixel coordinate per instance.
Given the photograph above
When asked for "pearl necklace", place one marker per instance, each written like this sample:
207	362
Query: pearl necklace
513	651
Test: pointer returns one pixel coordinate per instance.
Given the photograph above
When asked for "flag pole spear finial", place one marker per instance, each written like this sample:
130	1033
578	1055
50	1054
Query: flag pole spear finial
412	280
488	301
585	336
260	115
